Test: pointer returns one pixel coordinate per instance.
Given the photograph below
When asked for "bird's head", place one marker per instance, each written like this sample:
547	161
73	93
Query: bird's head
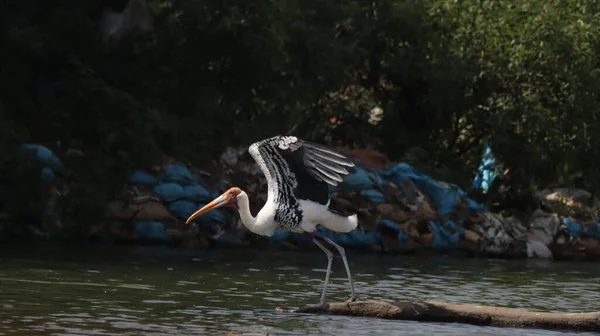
227	199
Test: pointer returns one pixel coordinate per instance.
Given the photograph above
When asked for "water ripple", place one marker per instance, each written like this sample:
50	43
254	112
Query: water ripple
130	294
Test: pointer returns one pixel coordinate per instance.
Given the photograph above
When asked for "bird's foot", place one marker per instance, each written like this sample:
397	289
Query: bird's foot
353	298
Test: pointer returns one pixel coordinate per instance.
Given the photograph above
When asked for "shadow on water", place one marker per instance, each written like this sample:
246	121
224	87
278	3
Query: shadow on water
51	289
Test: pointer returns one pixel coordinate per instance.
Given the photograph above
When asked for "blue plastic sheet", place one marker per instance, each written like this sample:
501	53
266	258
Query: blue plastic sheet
442	237
47	174
45	155
183	209
579	230
142	177
444	199
374	195
169	192
359	178
197	193
470	203
177	173
217	216
402	237
359	238
150	231
487	171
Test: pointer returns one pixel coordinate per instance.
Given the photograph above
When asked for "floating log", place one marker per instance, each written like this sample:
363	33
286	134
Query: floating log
430	311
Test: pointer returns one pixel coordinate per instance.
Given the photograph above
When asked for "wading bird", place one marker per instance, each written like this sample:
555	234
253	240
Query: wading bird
298	173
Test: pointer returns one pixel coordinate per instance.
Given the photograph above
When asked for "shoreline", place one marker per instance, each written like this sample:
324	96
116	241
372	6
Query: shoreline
401	210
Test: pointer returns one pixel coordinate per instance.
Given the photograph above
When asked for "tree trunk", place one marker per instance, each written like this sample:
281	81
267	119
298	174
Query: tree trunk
430	311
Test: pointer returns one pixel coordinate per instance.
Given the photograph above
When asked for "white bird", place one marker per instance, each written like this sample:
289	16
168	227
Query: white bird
298	173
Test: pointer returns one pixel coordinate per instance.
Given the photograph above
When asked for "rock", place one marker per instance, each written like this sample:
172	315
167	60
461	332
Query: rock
119	230
566	195
493	230
393	212
471	241
592	247
537	248
169	192
473	237
151	211
573	248
544	226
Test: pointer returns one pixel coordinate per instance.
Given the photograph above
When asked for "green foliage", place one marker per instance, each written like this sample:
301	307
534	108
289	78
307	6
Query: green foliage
536	82
448	76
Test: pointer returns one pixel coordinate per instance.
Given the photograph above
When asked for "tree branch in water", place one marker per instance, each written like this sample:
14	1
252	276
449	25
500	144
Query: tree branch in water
430	311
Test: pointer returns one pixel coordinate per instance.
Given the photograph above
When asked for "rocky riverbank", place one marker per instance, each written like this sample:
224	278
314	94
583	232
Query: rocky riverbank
401	210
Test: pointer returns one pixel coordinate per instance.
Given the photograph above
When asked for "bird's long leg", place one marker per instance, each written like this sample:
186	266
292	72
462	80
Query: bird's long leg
329	262
353	296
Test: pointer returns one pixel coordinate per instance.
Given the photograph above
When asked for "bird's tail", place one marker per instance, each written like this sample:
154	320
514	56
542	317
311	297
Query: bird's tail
337	223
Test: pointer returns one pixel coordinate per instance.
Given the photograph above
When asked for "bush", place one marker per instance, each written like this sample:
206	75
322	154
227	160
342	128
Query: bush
448	76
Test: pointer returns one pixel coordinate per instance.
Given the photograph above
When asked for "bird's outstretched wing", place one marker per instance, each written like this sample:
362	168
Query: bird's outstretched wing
313	166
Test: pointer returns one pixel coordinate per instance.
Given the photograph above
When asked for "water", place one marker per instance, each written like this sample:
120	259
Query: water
54	290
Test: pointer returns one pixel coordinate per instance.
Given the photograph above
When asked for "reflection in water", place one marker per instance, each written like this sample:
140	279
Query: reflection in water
50	290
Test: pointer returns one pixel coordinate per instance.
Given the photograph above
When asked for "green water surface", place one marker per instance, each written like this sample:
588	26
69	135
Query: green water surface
92	290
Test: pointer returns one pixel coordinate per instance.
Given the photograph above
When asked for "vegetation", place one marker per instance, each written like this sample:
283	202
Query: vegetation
448	75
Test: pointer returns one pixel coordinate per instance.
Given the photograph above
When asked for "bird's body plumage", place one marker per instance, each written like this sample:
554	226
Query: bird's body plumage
298	173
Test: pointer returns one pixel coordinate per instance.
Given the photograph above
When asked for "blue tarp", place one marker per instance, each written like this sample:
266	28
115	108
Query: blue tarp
487	171
402	237
47	174
150	231
359	238
142	177
579	230
196	193
177	173
45	155
443	238
183	209
374	195
444	199
360	178
169	192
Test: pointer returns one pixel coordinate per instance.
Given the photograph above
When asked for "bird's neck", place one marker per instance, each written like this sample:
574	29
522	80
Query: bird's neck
248	220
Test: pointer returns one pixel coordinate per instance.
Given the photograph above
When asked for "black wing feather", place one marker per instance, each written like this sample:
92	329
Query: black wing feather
314	165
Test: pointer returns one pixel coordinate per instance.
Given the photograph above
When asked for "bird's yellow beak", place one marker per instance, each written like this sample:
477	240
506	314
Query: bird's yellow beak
218	202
